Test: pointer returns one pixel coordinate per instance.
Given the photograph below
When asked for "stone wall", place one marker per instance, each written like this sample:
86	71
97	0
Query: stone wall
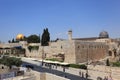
65	47
90	51
70	56
106	71
48	76
75	51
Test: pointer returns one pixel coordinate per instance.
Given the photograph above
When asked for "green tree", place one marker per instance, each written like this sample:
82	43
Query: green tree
45	37
9	41
9	61
13	40
25	38
33	39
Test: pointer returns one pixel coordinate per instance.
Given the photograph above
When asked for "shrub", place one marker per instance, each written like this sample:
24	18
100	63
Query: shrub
83	66
116	64
74	65
33	48
78	66
54	59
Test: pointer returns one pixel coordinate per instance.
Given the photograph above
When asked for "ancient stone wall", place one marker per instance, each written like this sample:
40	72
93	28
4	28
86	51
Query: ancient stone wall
74	51
90	51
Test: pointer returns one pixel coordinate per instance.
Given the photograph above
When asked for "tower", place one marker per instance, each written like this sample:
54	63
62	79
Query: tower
70	35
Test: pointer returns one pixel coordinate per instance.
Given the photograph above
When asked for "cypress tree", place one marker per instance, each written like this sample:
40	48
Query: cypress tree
45	37
13	40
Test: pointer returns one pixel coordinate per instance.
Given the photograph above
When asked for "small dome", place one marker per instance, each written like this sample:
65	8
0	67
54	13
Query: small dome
19	37
103	34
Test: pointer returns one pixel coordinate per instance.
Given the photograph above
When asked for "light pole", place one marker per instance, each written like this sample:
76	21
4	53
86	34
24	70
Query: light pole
42	55
87	65
110	72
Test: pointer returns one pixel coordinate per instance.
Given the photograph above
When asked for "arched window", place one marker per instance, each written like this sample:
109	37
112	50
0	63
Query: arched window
110	53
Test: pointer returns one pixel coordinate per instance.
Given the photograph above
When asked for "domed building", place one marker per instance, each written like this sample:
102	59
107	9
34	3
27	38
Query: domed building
20	37
103	34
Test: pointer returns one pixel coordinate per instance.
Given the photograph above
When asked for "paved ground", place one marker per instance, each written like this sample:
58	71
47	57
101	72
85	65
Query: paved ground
56	72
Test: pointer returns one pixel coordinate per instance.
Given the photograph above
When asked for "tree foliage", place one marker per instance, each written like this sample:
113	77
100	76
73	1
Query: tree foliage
13	40
45	37
33	39
9	61
9	41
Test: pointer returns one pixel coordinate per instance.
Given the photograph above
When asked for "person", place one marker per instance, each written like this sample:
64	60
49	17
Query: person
2	67
80	73
105	78
110	78
99	78
86	75
56	66
63	69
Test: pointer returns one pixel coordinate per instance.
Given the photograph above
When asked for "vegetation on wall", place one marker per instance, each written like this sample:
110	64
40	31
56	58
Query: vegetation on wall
30	48
116	64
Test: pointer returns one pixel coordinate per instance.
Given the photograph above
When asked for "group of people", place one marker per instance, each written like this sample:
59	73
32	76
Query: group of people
50	66
83	75
105	78
108	78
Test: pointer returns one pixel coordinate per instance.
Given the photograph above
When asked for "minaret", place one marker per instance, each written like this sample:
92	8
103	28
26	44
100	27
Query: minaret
70	35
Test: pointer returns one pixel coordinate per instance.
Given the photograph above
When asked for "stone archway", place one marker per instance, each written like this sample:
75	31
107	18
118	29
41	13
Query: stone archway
110	53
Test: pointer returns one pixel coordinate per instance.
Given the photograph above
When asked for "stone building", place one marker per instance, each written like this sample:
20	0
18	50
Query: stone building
12	49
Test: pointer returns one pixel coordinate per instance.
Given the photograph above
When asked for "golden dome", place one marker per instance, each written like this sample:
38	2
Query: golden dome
19	37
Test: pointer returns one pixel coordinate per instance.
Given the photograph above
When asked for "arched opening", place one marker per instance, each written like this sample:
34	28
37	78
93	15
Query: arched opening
110	53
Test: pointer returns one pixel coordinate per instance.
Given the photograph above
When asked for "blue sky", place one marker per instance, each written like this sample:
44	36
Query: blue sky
87	18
